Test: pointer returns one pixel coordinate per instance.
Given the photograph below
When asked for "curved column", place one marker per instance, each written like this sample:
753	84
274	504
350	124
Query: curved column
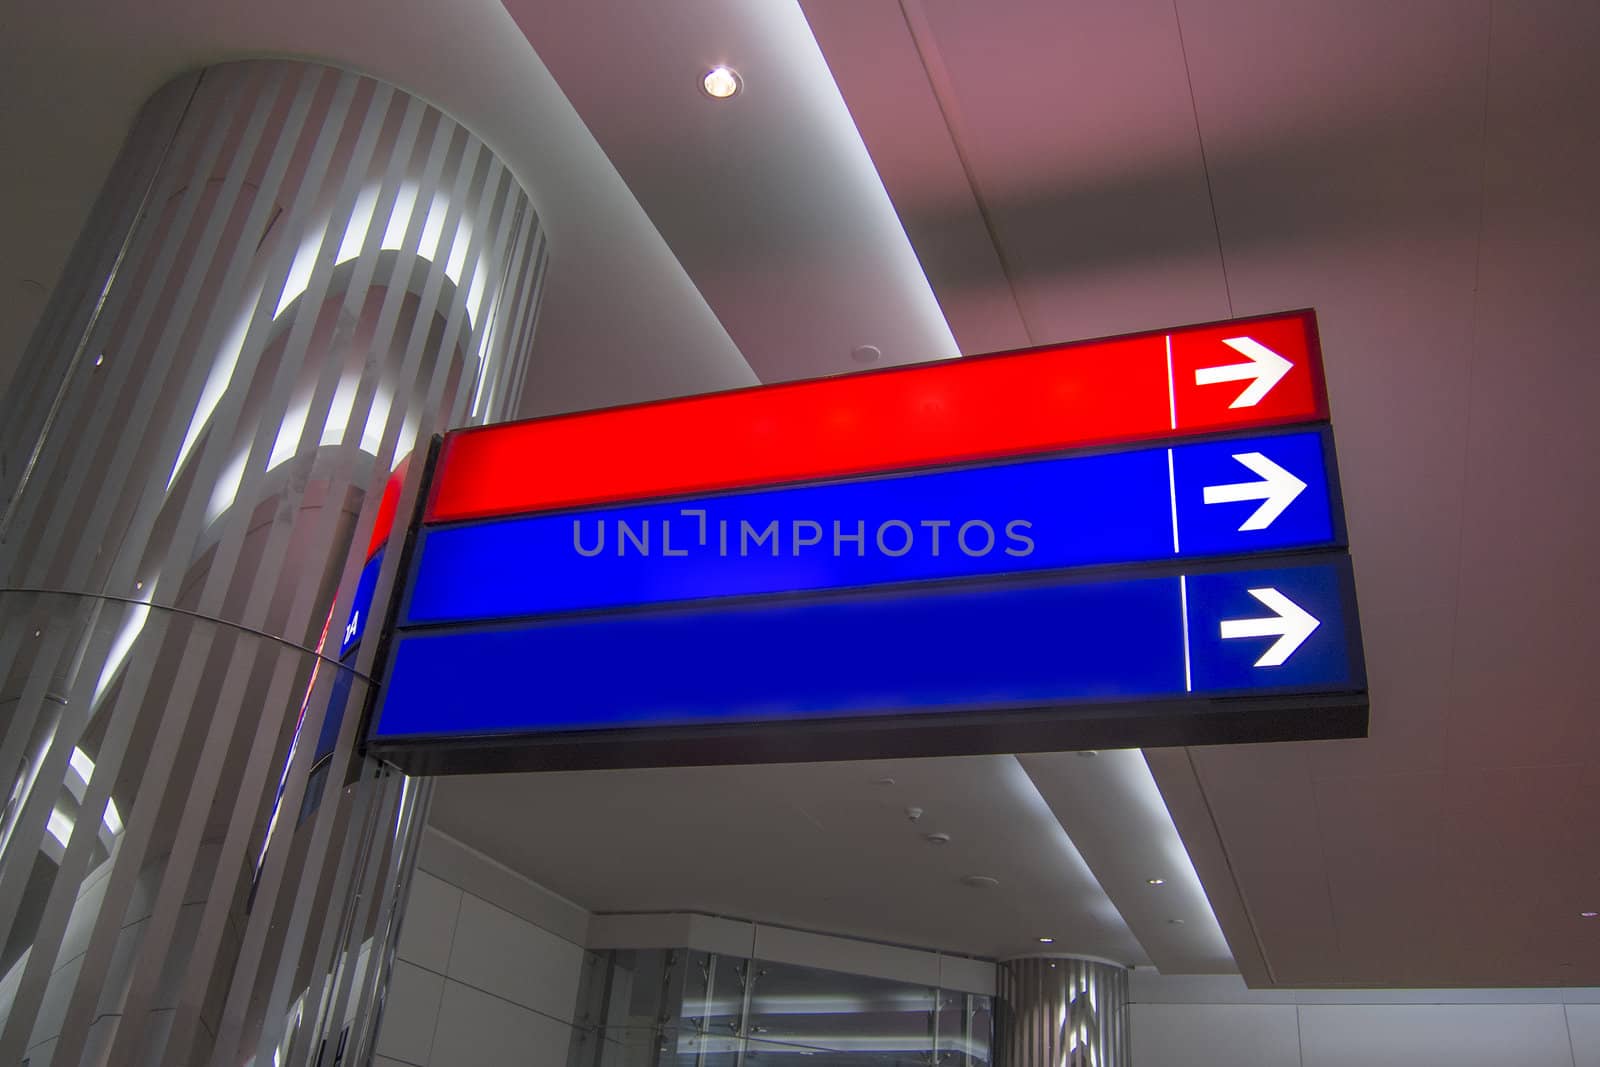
294	277
1061	1011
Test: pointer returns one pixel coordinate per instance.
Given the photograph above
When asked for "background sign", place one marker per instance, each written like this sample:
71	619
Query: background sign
1264	371
1043	644
982	555
1144	506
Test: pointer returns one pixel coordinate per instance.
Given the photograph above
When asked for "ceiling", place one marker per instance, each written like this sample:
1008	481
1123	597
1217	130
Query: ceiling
1421	173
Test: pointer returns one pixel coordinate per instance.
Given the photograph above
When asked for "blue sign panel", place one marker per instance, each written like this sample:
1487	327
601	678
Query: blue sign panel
1217	498
360	605
931	649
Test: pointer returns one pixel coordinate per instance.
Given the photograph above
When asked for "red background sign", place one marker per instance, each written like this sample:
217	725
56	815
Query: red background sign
1088	393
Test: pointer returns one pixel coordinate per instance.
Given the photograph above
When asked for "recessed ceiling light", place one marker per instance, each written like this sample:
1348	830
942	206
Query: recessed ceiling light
1589	914
866	353
979	881
1175	922
1155	881
938	839
720	83
1088	753
1047	941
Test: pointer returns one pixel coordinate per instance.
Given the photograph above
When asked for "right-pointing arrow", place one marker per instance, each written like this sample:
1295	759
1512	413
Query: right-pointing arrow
1276	490
1263	369
1290	624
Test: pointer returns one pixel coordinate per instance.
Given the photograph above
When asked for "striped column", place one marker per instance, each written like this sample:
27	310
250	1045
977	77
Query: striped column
1061	1012
295	275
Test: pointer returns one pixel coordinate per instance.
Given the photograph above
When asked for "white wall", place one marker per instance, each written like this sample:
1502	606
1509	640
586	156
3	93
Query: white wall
487	969
1213	1021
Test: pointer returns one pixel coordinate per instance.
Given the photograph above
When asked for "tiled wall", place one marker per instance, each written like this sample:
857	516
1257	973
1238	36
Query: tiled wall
1216	1022
487	968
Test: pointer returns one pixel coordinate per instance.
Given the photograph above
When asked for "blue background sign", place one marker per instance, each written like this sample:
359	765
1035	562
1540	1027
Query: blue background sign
360	605
1215	498
949	648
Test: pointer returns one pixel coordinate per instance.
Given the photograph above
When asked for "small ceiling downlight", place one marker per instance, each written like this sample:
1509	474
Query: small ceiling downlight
720	83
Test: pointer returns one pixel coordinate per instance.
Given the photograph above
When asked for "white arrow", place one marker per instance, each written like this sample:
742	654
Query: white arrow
1276	490
1290	624
1264	369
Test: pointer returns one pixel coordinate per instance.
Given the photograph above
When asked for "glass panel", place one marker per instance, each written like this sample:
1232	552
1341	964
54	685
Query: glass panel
965	1025
698	1009
853	1018
627	1007
709	1029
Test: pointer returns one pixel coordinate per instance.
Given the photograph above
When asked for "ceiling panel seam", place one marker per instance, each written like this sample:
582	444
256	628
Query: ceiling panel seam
1475	307
1322	852
1233	874
933	68
1205	165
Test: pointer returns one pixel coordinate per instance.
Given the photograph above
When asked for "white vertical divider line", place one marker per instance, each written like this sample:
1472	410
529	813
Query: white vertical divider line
1172	497
1172	387
1183	601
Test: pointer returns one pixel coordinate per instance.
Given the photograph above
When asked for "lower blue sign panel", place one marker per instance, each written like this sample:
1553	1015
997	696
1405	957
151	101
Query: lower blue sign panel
1132	643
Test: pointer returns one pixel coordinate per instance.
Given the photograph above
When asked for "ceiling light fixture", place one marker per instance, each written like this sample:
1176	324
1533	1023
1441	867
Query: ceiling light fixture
720	83
1155	881
1589	914
1047	941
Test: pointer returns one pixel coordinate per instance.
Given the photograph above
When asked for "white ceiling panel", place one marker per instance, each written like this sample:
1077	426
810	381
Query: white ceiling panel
769	199
1076	123
823	846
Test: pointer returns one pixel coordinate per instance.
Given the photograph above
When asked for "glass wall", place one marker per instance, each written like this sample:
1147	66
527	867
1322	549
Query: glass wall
687	1008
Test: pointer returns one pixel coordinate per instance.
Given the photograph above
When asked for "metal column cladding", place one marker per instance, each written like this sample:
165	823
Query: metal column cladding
1132	541
1054	1010
295	276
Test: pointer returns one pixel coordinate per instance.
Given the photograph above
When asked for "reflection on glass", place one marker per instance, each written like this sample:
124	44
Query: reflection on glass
686	1008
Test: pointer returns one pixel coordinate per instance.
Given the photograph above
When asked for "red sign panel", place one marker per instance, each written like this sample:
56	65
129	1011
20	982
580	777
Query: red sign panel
1247	372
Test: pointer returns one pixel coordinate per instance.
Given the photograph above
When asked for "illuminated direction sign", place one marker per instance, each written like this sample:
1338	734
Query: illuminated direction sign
953	648
1148	505
1245	373
1124	542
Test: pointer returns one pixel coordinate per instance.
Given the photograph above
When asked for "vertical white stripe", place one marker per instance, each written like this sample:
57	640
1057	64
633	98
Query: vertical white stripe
1183	599
1172	498
1172	389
